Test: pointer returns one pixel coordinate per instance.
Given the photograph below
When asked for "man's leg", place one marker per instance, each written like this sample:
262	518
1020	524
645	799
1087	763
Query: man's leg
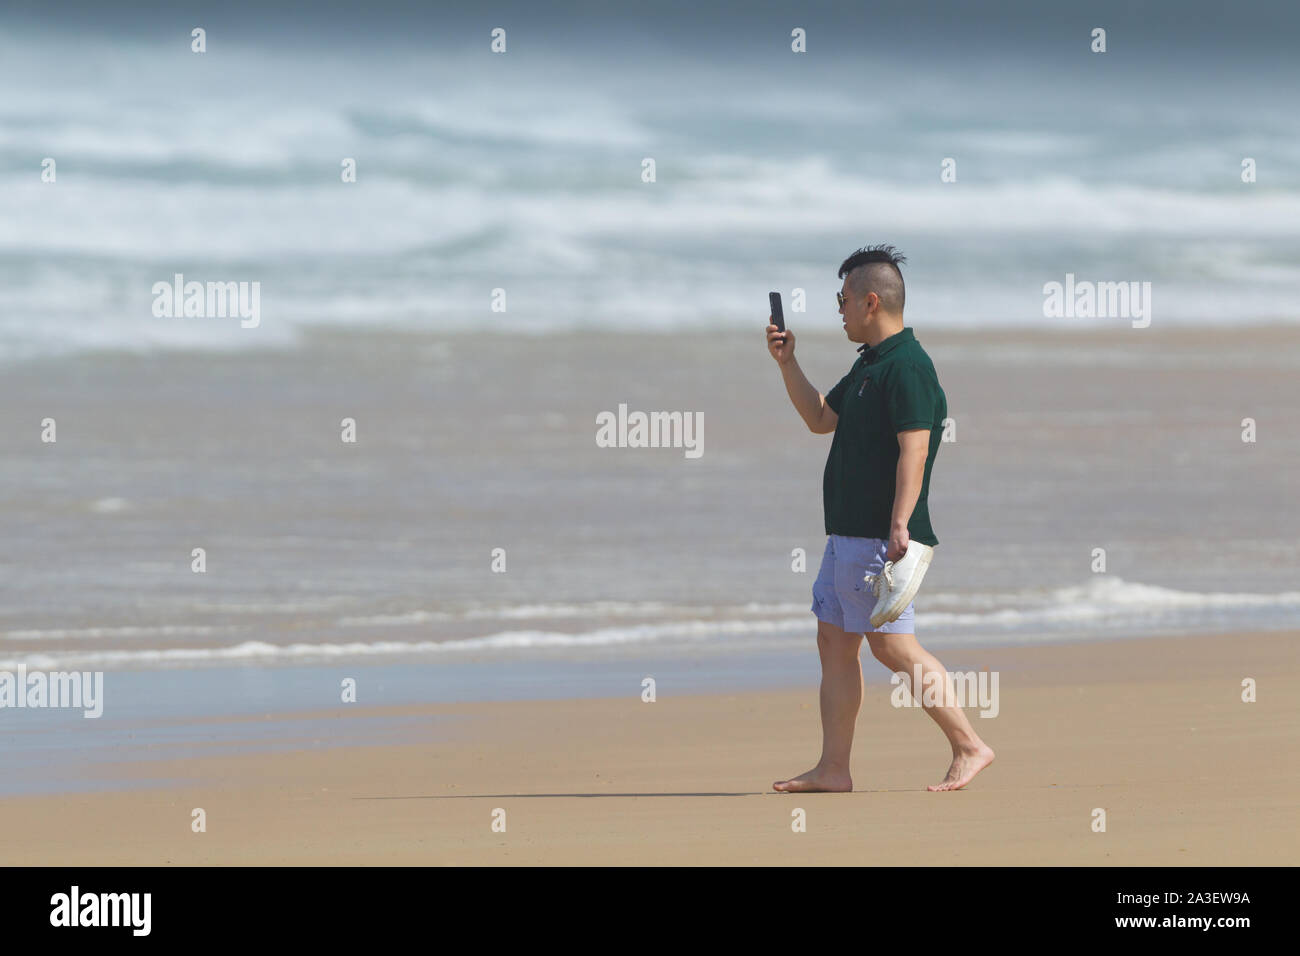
841	697
970	755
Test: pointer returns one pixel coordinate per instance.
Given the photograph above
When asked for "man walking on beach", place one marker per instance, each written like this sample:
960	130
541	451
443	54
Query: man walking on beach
887	415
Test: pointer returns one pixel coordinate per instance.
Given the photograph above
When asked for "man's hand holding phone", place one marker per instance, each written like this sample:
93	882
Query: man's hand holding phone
780	340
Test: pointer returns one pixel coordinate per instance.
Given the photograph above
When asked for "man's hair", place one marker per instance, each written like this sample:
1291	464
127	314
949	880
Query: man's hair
875	269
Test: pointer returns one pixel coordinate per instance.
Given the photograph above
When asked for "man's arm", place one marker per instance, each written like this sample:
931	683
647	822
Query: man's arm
808	402
913	448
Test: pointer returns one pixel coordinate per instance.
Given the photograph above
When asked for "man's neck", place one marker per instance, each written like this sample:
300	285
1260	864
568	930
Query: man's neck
878	331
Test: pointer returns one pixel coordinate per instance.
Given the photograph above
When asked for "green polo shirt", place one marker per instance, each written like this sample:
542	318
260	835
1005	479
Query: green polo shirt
891	388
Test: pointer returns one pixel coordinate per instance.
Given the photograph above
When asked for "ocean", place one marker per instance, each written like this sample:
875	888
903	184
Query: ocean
523	172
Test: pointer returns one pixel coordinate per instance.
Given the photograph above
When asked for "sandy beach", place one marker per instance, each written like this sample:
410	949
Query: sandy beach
1153	731
1119	691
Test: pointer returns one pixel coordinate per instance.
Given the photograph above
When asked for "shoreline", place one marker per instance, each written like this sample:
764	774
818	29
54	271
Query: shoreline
1152	730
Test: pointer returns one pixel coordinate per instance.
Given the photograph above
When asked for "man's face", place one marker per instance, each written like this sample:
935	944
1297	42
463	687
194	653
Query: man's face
856	311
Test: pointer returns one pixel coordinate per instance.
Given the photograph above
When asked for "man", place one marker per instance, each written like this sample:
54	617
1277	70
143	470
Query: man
887	415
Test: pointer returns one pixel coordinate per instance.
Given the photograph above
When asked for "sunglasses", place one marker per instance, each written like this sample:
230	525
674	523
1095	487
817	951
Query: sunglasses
841	299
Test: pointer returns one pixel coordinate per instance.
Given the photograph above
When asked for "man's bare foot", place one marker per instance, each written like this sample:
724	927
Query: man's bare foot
963	769
817	780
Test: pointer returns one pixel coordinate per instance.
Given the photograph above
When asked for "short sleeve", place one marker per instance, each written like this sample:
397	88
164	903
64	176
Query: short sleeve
910	398
836	394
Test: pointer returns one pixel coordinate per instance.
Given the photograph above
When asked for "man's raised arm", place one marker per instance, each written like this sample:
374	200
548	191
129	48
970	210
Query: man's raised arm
808	402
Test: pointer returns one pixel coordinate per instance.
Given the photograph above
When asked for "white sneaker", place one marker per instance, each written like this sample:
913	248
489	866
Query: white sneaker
898	582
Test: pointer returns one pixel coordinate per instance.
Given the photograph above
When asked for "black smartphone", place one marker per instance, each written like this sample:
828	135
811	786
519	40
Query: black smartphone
778	314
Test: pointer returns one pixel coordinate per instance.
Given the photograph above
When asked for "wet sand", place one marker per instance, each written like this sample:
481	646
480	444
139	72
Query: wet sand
1124	440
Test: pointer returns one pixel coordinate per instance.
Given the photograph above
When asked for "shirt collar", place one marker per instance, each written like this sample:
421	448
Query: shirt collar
886	346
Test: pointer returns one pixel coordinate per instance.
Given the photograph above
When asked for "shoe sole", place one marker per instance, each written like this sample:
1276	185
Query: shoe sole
904	598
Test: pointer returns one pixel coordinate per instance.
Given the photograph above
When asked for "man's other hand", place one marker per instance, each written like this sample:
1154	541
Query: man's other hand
898	540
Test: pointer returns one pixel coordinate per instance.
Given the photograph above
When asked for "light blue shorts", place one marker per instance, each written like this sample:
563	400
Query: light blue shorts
840	594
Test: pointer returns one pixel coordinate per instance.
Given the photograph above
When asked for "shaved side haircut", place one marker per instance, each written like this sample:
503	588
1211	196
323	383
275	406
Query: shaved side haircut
875	269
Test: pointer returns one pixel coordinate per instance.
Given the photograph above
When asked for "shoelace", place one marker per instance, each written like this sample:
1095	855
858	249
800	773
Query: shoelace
887	572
